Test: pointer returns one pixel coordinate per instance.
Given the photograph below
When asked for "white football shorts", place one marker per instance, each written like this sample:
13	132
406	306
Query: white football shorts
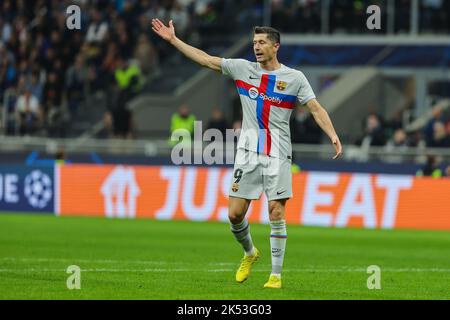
254	173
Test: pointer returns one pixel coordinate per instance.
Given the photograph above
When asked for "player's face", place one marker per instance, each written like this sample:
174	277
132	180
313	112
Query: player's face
265	50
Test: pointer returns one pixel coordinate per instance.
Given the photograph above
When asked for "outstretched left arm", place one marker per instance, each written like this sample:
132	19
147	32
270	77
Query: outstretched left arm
323	120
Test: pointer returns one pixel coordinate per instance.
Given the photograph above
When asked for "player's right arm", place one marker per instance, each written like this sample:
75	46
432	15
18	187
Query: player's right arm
196	55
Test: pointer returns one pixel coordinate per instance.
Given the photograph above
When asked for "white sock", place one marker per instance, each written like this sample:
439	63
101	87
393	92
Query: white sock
278	238
241	232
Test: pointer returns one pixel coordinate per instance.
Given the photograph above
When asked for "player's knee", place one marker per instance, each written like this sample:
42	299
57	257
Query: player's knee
276	211
235	217
276	215
237	208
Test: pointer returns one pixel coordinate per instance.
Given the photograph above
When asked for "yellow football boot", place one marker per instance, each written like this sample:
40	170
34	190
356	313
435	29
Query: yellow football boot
274	282
246	266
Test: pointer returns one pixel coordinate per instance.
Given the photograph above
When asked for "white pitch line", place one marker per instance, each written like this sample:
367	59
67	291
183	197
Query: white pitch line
160	270
96	270
86	260
76	260
233	266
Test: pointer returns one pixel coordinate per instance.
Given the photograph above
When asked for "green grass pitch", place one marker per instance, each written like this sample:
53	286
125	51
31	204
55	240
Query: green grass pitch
148	259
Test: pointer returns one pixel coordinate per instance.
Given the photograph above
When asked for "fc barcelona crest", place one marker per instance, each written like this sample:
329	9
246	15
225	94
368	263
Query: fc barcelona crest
281	85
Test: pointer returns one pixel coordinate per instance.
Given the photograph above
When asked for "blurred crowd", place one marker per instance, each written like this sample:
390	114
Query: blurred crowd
349	16
393	135
395	140
48	71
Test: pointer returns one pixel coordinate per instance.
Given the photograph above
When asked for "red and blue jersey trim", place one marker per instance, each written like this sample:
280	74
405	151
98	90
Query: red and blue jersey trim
263	106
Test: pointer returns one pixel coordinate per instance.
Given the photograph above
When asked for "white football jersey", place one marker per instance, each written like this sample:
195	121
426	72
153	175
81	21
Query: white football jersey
267	99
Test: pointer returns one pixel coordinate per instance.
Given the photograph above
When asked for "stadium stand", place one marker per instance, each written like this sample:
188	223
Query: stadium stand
107	79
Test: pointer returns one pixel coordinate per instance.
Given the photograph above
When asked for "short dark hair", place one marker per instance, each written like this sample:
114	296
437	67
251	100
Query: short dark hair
272	34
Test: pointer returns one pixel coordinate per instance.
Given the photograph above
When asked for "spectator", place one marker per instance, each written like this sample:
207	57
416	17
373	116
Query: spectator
146	55
128	76
53	109
180	18
35	86
94	84
97	29
373	132
447	171
156	10
8	73
441	139
182	120
20	29
121	37
7	11
30	113
397	145
111	56
122	116
76	78
128	83
218	121
107	130
430	169
95	38
436	115
56	43
398	121
60	156
5	30
52	91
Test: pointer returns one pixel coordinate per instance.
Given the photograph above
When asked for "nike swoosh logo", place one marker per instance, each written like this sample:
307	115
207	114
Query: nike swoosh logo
280	193
253	78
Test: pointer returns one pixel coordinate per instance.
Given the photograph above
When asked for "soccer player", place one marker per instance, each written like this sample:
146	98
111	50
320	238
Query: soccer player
268	91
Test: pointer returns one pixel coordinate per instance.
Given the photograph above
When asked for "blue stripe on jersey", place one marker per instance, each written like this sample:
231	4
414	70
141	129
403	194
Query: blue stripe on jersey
270	85
243	92
261	135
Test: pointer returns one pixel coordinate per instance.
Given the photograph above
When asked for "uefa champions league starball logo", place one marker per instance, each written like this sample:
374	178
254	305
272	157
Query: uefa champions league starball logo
38	189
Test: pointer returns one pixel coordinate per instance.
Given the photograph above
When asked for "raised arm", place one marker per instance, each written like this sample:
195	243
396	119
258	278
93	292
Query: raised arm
196	55
323	120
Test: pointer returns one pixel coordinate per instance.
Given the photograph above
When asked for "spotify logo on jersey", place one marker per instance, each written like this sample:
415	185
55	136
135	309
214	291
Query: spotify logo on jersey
253	93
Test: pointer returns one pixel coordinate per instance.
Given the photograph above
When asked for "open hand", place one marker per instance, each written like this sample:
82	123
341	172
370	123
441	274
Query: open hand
167	33
337	146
